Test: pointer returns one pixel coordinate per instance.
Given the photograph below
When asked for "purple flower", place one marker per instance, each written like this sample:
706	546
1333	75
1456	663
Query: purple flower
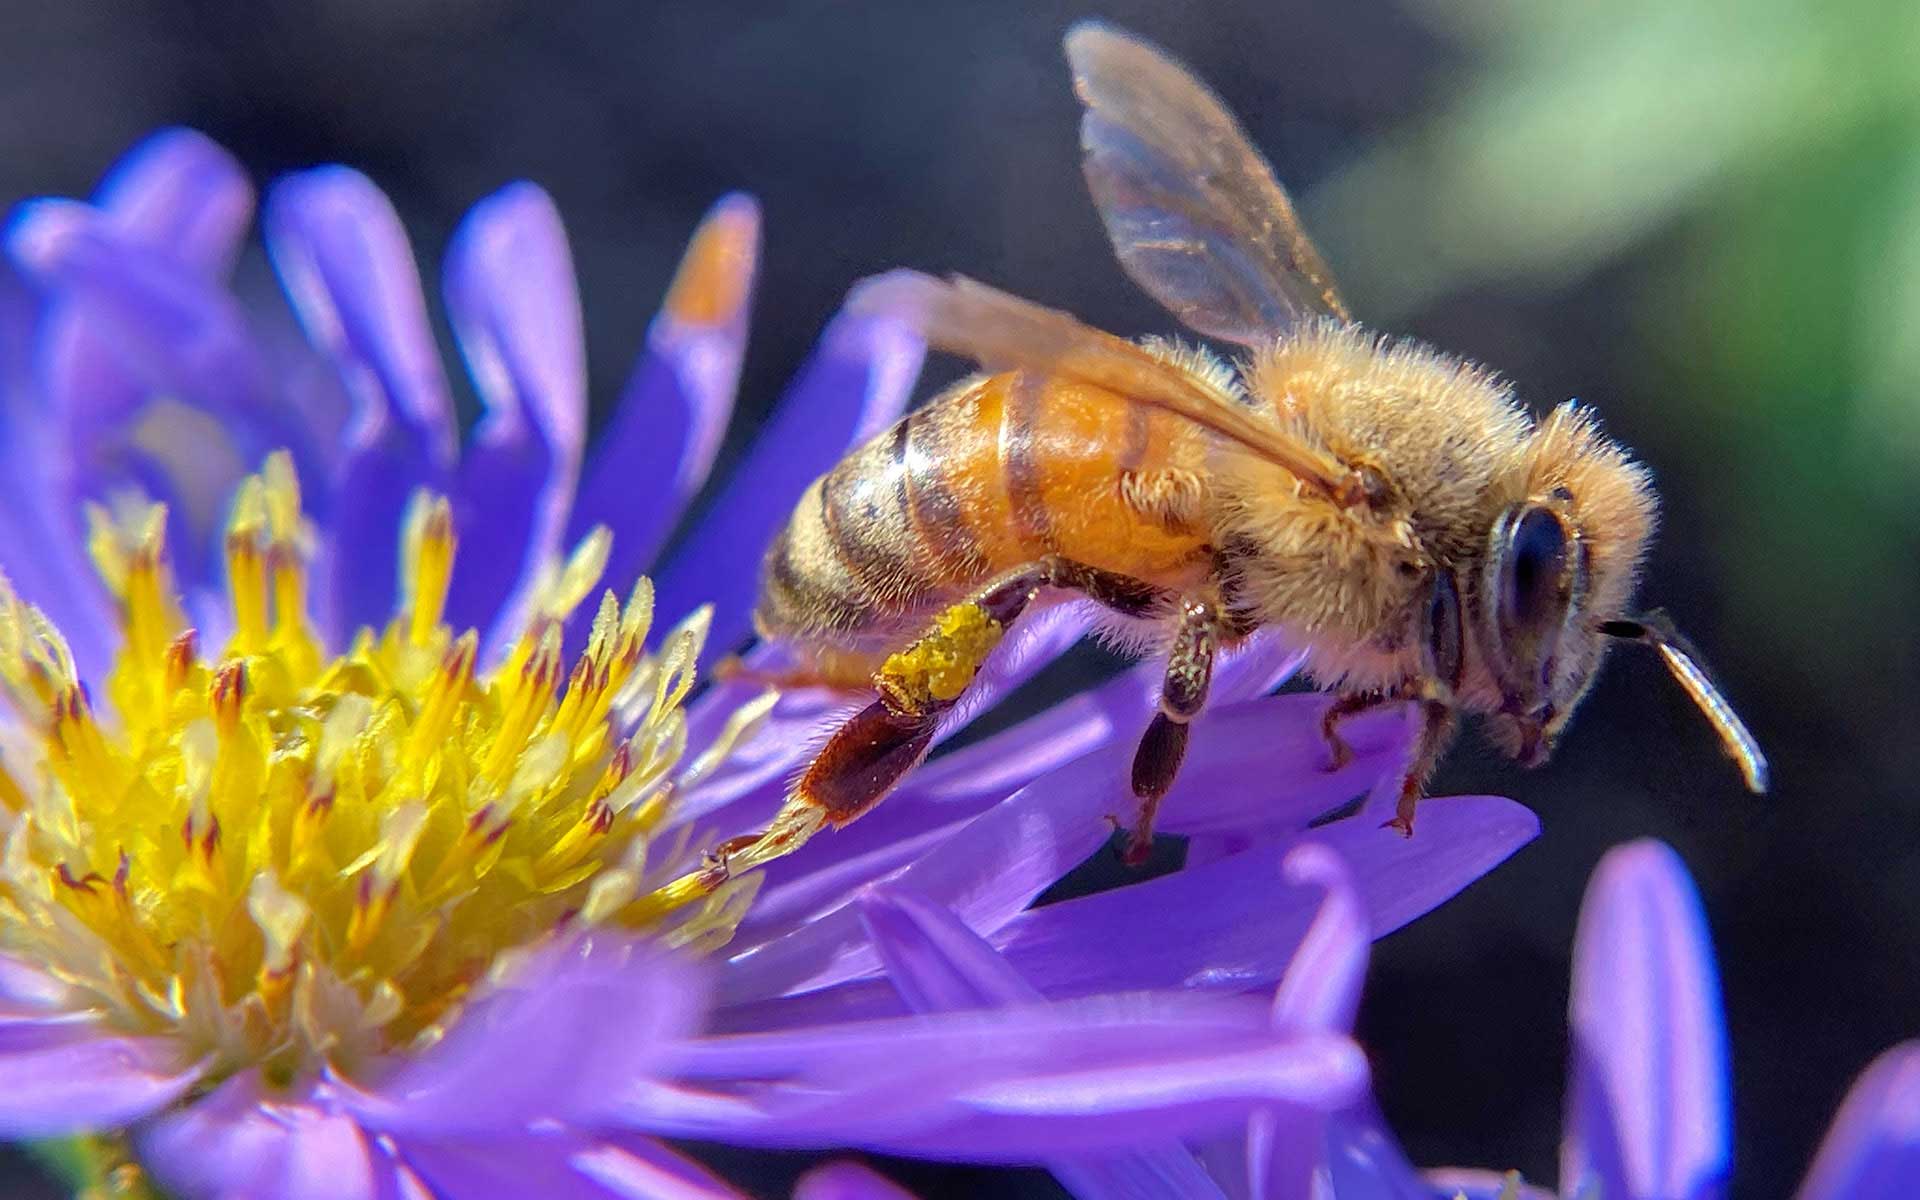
1648	1103
307	891
935	965
1647	1093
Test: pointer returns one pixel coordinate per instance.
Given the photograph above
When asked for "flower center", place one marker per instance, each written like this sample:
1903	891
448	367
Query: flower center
284	858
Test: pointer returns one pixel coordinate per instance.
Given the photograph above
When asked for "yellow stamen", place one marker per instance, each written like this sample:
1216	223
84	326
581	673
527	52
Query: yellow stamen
246	568
428	560
292	861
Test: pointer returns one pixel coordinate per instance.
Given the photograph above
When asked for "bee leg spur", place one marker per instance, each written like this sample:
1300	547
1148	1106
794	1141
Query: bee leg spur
1182	694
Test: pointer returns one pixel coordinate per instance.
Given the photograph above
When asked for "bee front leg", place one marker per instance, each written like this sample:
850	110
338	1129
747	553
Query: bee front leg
1443	664
1344	707
1182	695
1437	728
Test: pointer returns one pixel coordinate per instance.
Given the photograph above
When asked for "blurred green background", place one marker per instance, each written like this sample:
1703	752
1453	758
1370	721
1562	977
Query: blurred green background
1703	218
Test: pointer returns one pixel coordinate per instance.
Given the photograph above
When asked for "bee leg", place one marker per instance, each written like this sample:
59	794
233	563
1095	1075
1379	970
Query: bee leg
873	749
1437	727
1345	706
837	670
1182	694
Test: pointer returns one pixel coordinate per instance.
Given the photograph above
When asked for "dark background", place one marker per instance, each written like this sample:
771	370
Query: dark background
1704	221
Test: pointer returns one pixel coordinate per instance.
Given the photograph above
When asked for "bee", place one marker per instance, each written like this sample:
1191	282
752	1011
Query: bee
1392	509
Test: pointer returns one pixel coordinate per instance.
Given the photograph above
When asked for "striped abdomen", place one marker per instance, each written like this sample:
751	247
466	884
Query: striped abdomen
996	473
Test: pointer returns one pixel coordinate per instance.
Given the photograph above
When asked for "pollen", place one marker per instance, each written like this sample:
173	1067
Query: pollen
940	665
293	861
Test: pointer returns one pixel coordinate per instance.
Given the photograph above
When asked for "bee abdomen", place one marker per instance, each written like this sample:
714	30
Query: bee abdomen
879	539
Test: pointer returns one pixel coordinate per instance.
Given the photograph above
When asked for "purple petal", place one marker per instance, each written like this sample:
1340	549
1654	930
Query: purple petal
180	193
1121	1106
1320	988
1456	840
1234	924
962	783
1348	1154
857	381
43	552
987	871
152	375
31	1031
1035	642
930	805
1168	1173
1872	1152
56	1079
1260	664
1648	1094
358	562
755	776
576	1020
1010	1085
515	307
935	962
344	261
1248	764
939	965
557	1164
946	790
1260	767
26	990
666	429
244	1141
847	1181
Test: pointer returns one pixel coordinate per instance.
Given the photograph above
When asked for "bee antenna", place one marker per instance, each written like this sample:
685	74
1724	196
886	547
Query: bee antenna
1656	630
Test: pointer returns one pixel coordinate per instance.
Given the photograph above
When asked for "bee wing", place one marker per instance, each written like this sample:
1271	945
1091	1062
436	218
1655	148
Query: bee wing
1002	331
1193	211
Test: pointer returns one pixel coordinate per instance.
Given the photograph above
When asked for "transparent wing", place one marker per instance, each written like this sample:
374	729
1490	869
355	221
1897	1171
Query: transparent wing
1002	331
1193	211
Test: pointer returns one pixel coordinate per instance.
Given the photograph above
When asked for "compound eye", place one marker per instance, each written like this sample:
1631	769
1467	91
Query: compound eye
1533	574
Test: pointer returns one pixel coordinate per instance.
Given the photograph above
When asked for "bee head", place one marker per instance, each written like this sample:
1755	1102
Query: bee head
1560	560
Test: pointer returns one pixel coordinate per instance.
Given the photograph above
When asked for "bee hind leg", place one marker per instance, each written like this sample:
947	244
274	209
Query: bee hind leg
873	750
1183	693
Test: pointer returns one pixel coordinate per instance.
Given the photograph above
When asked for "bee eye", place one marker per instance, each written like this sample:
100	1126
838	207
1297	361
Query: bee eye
1533	570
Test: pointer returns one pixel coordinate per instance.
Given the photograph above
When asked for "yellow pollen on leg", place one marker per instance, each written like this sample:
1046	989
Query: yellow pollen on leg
290	860
939	666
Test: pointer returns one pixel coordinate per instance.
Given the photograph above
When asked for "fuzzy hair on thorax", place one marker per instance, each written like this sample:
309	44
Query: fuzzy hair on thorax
1455	448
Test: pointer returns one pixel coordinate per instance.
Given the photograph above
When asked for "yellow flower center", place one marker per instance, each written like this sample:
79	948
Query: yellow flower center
285	859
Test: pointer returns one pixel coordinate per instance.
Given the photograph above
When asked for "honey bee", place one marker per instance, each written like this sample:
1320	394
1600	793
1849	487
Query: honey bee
1392	509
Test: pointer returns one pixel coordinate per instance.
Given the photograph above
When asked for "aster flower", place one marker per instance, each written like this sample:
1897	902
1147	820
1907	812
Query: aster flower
1647	1093
934	964
307	889
295	867
1647	1100
1647	1097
